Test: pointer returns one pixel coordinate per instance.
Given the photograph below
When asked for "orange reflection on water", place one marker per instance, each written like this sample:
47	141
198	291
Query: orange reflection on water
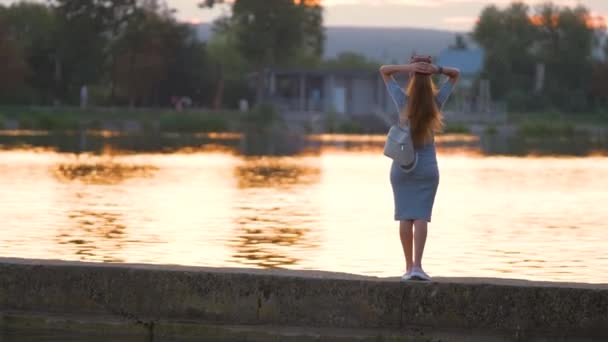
92	233
106	133
346	137
274	219
96	231
598	153
101	172
23	132
459	150
27	148
460	138
533	218
341	143
274	172
382	138
204	148
219	135
269	237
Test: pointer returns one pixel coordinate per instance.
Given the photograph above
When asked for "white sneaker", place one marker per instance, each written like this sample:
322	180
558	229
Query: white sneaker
419	274
407	276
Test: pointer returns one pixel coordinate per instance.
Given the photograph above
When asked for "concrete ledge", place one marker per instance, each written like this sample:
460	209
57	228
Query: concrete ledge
227	303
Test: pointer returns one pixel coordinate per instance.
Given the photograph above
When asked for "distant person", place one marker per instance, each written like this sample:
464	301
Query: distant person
414	186
84	96
243	105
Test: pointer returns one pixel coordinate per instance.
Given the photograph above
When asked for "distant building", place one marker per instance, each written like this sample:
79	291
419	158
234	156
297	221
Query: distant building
469	61
301	93
472	99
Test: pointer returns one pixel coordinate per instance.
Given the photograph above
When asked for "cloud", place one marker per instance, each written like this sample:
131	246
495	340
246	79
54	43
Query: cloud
438	3
460	20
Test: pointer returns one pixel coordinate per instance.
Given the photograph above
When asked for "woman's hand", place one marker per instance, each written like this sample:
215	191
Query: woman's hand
425	68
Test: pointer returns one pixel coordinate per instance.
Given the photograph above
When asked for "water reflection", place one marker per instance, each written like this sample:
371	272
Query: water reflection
575	144
102	171
96	235
495	216
279	142
274	172
96	142
274	141
272	236
276	216
97	230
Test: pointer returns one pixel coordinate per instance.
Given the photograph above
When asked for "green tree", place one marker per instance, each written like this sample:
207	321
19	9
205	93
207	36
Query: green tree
508	37
32	25
12	65
565	47
138	60
272	32
157	58
84	34
189	72
230	67
560	38
599	84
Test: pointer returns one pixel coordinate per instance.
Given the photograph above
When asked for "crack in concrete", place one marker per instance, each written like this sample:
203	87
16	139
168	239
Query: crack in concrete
101	299
402	308
259	308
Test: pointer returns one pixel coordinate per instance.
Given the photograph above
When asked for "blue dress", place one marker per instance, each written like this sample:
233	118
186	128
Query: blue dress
414	191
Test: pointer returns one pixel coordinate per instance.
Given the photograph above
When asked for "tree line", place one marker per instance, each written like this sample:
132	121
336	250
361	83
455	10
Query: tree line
544	58
124	51
135	52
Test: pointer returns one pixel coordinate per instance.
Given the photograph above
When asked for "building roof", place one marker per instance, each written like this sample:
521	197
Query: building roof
468	61
323	72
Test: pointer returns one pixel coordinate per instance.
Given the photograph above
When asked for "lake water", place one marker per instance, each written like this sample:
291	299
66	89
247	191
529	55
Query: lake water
326	206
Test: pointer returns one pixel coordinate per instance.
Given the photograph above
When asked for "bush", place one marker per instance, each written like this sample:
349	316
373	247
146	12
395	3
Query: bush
331	122
350	127
532	128
193	122
518	99
56	121
27	122
491	130
263	114
456	128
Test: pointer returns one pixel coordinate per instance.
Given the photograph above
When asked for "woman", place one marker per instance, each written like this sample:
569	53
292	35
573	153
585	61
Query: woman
414	187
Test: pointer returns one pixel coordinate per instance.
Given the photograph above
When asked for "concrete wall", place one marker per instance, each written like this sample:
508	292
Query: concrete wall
291	305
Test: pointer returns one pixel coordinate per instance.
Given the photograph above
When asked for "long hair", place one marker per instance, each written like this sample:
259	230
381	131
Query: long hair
422	112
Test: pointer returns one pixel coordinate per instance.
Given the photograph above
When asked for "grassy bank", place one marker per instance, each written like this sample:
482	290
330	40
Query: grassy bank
546	124
577	119
187	121
540	128
69	119
540	124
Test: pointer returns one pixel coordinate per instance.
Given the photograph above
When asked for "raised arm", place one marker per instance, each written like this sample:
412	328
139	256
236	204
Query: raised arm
452	73
387	71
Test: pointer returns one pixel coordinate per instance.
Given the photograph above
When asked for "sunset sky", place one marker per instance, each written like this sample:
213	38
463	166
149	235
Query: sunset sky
441	14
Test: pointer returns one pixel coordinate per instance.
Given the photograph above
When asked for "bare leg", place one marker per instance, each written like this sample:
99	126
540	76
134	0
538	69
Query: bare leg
420	232
407	236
